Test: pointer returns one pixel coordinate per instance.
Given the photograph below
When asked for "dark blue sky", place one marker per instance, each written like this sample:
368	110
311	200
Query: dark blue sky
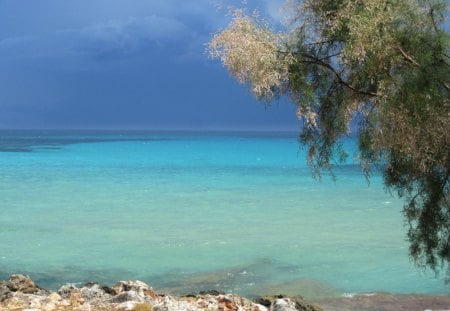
123	64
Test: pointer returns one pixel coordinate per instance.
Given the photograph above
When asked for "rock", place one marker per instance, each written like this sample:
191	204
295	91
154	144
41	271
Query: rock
67	290
13	304
227	304
24	284
94	291
283	304
75	299
139	287
273	302
128	296
211	292
51	302
264	301
258	307
168	303
127	306
21	293
5	292
301	305
267	300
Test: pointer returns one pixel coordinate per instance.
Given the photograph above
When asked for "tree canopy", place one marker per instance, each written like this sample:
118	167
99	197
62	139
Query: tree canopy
386	61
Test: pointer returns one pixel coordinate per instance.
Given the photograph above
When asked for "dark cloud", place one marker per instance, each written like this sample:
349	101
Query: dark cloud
120	63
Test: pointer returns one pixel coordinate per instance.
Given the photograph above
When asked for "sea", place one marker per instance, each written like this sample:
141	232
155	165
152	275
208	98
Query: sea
238	212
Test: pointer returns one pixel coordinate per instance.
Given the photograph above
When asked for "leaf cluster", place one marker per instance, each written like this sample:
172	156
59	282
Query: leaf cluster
385	62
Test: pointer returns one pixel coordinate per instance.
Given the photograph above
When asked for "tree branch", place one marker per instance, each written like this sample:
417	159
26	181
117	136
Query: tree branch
433	21
408	57
320	62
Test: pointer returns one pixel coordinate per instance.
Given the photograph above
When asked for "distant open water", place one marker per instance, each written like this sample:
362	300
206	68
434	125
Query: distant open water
237	212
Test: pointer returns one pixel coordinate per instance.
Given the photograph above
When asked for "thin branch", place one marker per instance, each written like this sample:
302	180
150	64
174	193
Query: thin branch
320	62
408	57
433	21
330	56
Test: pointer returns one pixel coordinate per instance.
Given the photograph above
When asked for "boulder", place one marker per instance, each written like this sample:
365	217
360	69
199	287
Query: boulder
302	305
139	287
283	304
95	291
227	303
67	290
24	284
5	292
130	295
211	292
280	302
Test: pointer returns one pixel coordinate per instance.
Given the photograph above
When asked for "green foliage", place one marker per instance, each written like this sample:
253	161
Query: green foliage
383	60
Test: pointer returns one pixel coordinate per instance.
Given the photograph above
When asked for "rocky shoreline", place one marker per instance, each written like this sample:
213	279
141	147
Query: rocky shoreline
21	293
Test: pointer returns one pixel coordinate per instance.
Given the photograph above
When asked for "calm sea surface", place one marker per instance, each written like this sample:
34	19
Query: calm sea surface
238	212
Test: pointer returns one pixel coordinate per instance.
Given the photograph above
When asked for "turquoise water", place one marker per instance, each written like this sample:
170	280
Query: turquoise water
238	212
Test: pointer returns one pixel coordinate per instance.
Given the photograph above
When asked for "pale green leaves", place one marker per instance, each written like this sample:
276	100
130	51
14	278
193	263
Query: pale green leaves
251	52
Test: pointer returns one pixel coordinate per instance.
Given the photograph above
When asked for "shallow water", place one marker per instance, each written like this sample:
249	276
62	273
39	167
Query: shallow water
238	212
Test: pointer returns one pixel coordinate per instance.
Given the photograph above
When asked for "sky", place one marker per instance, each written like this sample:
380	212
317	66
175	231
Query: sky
131	64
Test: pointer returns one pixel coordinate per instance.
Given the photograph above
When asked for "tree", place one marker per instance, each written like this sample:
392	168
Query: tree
385	61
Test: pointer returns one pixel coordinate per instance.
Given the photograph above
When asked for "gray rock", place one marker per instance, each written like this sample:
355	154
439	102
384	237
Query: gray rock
66	290
139	287
94	291
301	305
23	283
128	296
5	292
283	304
211	292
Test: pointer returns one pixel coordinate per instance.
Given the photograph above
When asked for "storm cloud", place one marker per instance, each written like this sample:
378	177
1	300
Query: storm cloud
123	64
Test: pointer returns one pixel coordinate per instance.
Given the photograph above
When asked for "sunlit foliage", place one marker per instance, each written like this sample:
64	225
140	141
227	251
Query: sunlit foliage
385	62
